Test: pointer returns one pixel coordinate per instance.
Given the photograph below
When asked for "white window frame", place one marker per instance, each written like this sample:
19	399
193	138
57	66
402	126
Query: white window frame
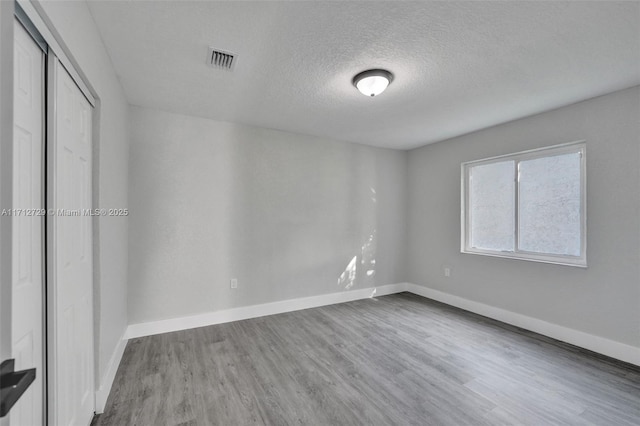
566	148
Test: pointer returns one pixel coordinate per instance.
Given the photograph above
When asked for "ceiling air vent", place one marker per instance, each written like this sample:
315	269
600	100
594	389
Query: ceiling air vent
221	59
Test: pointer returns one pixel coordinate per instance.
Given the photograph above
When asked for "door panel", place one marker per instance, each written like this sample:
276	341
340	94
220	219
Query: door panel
27	225
71	285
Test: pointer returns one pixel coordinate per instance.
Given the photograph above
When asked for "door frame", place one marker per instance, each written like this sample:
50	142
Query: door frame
31	14
7	11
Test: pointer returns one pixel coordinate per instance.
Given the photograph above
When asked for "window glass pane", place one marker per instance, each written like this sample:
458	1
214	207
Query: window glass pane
549	207
491	206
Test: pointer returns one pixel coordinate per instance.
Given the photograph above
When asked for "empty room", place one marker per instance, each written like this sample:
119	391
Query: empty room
319	213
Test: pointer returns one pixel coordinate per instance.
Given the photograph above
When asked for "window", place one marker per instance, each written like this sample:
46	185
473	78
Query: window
529	205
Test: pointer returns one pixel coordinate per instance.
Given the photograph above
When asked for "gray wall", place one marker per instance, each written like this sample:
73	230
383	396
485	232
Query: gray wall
603	299
75	26
284	213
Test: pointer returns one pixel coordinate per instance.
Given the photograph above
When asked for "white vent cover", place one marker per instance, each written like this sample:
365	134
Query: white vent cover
221	59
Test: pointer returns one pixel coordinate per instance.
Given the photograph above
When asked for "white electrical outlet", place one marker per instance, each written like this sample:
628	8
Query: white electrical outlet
447	271
234	283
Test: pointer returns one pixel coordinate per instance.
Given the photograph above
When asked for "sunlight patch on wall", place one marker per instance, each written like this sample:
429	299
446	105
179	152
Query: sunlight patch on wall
368	258
348	277
366	262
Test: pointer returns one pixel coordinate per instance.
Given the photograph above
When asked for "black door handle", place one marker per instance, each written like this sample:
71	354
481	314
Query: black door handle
13	384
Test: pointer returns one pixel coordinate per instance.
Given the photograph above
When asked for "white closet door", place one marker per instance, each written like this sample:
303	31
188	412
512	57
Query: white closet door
72	399
27	224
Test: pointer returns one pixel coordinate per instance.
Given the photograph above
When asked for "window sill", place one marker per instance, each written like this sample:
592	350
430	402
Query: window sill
575	262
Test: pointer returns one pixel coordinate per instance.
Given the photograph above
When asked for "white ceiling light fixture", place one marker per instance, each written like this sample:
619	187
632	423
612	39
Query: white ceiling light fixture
372	82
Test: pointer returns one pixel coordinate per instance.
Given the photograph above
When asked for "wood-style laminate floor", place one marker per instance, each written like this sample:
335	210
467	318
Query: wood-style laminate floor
394	360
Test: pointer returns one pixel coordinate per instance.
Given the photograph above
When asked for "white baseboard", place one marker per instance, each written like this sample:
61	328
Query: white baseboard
621	351
601	345
109	376
254	311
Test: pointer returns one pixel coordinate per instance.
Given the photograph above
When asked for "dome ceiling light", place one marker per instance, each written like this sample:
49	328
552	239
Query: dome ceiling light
372	82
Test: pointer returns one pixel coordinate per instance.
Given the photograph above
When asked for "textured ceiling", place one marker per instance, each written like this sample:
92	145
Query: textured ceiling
459	66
